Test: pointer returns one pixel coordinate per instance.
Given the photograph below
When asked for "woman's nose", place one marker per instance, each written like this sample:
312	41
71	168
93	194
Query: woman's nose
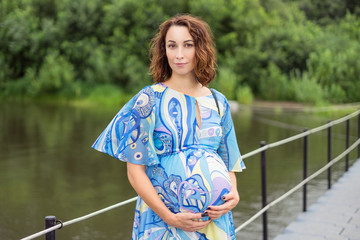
179	54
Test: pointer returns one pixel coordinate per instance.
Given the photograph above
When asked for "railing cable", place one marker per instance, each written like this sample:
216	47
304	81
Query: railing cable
297	187
301	135
80	218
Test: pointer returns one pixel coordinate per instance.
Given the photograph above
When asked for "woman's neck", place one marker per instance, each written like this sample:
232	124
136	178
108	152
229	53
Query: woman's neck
190	86
183	83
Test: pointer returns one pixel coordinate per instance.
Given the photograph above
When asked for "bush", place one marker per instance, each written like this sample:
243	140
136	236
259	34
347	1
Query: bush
323	11
4	72
337	66
247	64
136	73
98	67
79	54
226	82
108	95
334	94
288	44
77	19
306	90
349	26
18	88
16	33
274	85
55	74
244	95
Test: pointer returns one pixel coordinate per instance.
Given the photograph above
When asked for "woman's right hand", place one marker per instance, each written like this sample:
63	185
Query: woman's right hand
187	221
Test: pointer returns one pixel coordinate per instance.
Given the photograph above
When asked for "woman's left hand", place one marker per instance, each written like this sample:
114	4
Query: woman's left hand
231	200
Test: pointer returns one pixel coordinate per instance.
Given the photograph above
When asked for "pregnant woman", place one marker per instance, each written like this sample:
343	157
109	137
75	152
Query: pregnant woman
178	140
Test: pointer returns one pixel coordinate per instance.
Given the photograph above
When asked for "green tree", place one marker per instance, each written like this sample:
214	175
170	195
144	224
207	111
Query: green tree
274	49
16	41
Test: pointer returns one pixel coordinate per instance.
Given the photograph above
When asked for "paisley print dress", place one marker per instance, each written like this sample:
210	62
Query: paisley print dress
188	165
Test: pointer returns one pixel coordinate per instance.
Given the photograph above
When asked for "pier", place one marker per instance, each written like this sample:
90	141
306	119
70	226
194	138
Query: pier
336	215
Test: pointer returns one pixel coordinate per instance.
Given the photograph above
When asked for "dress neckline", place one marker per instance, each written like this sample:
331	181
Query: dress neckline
165	86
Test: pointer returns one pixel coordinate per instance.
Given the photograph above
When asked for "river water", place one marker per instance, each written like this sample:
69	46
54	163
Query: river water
48	168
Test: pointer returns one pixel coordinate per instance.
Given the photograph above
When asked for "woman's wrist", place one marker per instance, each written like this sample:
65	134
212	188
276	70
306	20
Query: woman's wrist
234	190
170	218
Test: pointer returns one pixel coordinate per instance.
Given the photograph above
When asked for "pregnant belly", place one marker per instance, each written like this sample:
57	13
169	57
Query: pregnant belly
194	181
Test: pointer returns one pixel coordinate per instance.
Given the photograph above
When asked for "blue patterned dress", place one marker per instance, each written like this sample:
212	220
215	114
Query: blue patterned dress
187	165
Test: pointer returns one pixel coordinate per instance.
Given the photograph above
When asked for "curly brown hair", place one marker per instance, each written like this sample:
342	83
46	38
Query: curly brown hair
205	59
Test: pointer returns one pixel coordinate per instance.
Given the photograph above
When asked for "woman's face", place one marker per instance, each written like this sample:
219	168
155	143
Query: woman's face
180	50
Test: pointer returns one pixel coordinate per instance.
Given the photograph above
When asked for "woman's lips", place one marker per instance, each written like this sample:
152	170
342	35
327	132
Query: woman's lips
180	64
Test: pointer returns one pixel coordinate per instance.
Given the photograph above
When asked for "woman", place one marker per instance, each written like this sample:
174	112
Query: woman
179	141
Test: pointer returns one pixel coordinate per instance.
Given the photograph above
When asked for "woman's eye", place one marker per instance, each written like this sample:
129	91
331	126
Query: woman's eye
171	45
188	45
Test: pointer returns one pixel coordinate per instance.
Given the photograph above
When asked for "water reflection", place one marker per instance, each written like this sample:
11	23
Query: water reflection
48	168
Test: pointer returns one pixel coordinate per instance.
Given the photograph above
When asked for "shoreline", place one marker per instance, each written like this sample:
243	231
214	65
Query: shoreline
256	106
284	106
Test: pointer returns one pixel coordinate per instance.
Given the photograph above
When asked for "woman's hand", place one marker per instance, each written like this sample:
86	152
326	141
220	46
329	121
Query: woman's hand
187	221
142	185
231	200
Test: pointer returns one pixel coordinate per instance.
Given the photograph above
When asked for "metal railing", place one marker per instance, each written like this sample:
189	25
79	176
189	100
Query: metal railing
305	134
51	224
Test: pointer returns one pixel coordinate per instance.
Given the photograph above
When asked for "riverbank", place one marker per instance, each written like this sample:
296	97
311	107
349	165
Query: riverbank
104	97
290	107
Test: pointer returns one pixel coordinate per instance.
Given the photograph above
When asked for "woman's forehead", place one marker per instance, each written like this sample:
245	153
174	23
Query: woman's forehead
178	34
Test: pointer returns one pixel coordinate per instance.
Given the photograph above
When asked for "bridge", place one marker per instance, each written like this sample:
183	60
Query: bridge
342	222
336	215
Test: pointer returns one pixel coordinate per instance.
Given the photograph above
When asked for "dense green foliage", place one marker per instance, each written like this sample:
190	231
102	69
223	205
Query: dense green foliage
291	50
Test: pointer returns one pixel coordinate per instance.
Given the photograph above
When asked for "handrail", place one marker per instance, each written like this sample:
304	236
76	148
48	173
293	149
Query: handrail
301	135
261	149
297	187
80	218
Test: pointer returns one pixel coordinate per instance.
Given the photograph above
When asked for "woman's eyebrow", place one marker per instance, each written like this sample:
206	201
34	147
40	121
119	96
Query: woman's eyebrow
184	41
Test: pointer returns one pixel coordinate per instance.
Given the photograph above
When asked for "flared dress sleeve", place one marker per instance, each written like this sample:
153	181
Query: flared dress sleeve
129	136
229	149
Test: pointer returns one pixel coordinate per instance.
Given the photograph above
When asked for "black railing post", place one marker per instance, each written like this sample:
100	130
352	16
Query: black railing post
305	155
263	189
329	156
50	221
347	144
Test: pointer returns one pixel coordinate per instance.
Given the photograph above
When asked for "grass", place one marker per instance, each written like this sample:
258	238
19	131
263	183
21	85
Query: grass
104	96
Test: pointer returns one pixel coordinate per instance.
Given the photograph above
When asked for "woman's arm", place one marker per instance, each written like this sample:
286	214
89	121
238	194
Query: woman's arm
143	186
231	200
